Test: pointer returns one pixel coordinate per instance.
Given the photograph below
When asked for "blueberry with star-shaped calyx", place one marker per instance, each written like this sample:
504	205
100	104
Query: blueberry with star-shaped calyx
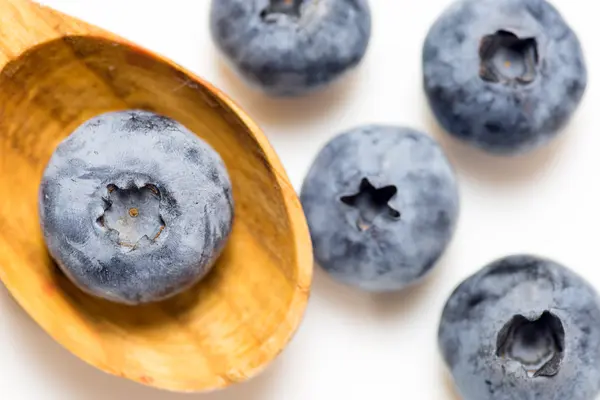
381	203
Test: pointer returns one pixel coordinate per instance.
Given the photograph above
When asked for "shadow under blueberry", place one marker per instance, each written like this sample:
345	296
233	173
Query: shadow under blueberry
383	305
289	111
128	316
81	381
495	169
405	300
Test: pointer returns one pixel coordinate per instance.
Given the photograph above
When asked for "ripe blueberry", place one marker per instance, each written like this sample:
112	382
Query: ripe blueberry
503	75
291	47
382	204
134	207
523	327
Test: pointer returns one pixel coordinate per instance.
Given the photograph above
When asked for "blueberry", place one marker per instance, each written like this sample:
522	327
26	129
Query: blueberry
504	76
291	47
134	207
523	327
382	204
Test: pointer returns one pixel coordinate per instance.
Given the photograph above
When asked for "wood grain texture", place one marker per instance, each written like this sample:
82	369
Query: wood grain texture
57	72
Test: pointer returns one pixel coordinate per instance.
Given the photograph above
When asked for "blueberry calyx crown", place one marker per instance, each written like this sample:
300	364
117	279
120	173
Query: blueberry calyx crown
537	344
132	214
291	8
371	202
506	58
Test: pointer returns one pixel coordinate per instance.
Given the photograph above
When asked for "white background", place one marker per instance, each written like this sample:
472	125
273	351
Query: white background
353	345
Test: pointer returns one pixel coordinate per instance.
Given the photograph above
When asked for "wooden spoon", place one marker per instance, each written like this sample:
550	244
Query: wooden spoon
57	72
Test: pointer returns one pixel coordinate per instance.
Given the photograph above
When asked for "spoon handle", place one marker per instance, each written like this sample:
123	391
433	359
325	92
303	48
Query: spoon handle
25	24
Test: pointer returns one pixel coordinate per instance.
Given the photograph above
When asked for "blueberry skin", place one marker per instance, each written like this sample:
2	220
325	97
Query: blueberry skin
472	324
503	117
134	207
291	49
394	238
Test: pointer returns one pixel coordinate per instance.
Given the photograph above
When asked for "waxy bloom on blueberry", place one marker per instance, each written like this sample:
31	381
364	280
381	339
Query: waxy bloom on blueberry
382	204
291	47
134	207
523	327
503	75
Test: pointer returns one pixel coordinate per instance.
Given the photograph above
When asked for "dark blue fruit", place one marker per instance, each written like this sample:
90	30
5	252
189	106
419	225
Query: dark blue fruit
523	327
134	207
291	47
503	75
382	204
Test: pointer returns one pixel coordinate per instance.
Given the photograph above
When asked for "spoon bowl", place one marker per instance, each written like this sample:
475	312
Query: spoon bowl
55	73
